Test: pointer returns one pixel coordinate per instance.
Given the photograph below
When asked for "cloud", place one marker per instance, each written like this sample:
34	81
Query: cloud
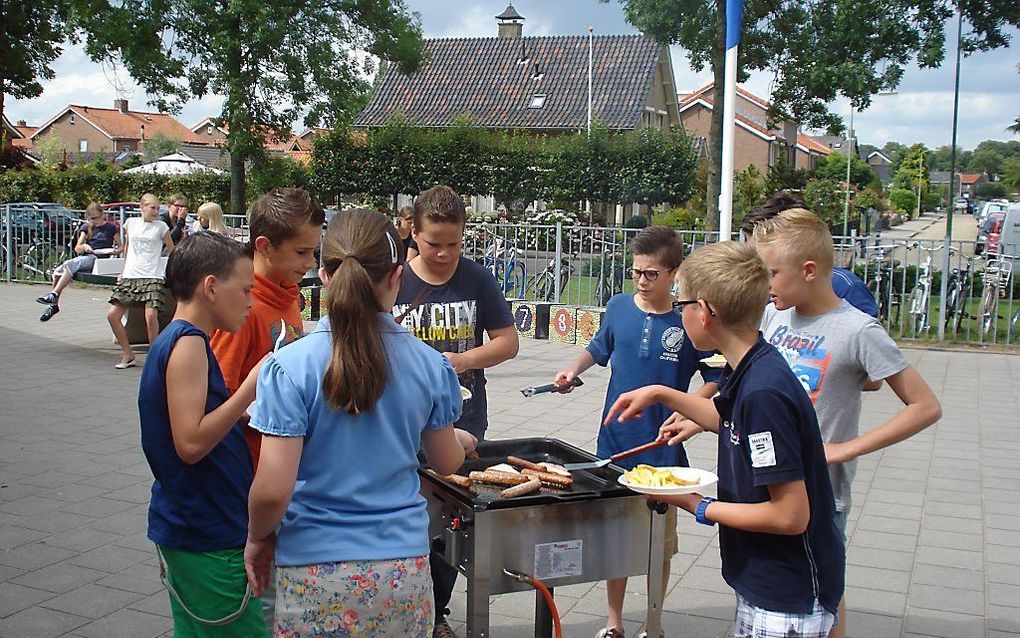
921	110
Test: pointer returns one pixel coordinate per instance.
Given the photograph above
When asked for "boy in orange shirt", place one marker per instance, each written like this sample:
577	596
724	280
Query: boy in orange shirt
286	226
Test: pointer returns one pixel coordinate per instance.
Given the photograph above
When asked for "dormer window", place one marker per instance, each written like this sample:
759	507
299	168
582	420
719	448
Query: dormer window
537	101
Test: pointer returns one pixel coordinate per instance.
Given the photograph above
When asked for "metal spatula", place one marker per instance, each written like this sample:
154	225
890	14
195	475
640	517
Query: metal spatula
590	465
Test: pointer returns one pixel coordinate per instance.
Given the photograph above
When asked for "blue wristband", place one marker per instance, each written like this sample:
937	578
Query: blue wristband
699	513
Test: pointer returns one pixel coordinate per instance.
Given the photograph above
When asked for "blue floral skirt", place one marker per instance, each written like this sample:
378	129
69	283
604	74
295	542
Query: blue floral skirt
368	598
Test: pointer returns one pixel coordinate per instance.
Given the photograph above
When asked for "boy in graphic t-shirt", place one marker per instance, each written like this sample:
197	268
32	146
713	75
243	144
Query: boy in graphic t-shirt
450	303
834	350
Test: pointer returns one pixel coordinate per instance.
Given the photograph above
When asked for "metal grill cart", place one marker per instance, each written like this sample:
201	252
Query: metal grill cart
595	531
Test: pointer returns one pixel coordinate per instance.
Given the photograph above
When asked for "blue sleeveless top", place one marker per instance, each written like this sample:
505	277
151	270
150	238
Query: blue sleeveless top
201	507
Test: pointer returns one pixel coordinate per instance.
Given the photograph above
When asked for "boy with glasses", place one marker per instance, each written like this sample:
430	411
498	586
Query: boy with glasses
96	237
643	337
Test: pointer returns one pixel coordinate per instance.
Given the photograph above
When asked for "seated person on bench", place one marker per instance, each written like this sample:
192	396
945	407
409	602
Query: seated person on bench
96	237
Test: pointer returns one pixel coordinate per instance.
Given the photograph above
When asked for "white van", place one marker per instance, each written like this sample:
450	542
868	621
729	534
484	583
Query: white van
1009	235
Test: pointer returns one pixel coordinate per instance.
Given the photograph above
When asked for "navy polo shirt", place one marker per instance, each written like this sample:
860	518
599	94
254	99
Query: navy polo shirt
768	434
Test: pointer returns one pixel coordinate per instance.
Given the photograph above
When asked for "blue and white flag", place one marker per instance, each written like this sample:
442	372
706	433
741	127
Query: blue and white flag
734	21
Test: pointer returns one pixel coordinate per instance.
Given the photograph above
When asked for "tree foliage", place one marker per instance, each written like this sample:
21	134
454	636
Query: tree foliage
159	145
818	50
273	61
903	200
833	168
651	166
31	36
913	173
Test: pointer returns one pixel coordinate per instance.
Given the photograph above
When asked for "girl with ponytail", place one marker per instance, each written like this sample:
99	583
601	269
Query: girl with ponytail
342	423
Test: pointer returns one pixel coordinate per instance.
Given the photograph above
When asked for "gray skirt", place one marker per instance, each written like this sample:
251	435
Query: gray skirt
150	293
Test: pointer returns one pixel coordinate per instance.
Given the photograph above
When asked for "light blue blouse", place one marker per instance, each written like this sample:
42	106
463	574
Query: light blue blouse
357	491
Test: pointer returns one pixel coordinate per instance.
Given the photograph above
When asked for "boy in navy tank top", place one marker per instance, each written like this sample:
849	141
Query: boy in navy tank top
780	549
195	447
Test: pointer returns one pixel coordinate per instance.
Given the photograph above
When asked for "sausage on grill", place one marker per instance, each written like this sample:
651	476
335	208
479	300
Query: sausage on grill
498	478
518	462
458	480
549	477
529	486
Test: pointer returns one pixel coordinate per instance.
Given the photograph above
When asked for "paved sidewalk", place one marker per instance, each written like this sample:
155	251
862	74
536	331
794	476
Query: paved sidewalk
935	531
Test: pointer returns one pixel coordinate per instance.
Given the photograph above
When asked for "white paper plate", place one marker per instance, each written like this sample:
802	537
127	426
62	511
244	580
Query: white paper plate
465	394
704	477
104	251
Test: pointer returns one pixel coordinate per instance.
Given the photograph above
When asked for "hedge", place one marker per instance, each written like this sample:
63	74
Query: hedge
79	185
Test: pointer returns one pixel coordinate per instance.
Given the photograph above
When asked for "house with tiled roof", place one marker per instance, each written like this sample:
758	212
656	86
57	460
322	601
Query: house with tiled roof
534	84
758	142
91	130
292	145
18	137
970	181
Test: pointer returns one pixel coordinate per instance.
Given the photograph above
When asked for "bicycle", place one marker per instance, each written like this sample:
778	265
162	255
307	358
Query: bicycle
881	284
956	300
920	296
542	286
996	279
500	258
610	278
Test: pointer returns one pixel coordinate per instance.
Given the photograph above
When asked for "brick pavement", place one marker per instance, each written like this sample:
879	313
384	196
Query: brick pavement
935	532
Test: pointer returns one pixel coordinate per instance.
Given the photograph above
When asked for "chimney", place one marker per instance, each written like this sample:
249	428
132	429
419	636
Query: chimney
511	23
142	135
121	105
22	123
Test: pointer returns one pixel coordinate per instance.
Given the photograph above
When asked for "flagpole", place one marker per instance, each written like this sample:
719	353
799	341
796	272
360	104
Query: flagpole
734	17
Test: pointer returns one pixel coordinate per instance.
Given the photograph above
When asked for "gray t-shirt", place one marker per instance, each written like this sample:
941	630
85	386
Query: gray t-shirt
833	355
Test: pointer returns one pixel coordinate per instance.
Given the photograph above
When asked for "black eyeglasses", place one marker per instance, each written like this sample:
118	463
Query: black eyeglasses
678	306
650	275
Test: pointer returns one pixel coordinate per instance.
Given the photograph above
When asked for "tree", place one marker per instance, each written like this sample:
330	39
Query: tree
913	173
903	200
271	60
31	34
816	50
159	145
833	168
1011	172
990	190
986	161
894	151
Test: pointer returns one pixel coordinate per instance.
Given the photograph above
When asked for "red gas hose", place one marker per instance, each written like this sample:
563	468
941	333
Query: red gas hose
540	587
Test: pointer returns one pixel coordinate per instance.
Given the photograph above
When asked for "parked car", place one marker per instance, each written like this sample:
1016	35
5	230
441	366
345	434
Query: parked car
1008	238
38	221
987	208
984	232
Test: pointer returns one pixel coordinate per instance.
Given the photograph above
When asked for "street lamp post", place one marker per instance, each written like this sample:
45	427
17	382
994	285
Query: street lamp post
943	289
849	148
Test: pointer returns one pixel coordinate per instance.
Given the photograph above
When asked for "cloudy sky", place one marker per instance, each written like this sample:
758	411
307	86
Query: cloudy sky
921	110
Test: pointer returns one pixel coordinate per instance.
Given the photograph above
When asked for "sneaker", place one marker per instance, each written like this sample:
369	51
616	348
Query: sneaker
49	312
610	632
48	299
443	630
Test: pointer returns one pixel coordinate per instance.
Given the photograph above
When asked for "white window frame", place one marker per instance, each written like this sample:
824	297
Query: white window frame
537	101
83	146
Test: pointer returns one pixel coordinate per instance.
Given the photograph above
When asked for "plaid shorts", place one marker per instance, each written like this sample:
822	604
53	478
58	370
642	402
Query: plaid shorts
755	622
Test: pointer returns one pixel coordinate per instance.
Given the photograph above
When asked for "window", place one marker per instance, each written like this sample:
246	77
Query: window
83	146
537	101
208	130
71	120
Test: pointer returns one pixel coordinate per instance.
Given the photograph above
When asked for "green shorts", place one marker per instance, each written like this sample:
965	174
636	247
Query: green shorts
212	586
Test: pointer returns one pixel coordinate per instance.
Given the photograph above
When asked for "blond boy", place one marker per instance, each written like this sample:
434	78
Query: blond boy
780	550
834	350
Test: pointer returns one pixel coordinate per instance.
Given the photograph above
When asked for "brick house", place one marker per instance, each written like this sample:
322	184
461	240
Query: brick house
91	130
757	141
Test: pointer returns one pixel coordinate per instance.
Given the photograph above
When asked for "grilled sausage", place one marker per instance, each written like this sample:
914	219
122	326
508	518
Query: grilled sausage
518	462
498	478
458	480
529	486
549	477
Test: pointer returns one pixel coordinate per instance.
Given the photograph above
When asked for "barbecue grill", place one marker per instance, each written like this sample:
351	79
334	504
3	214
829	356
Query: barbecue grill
594	531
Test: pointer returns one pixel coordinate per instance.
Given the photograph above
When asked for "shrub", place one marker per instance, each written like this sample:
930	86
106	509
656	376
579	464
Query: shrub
903	200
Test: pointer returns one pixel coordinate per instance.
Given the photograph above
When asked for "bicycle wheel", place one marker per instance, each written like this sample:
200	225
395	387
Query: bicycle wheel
952	309
603	291
917	310
989	301
517	278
